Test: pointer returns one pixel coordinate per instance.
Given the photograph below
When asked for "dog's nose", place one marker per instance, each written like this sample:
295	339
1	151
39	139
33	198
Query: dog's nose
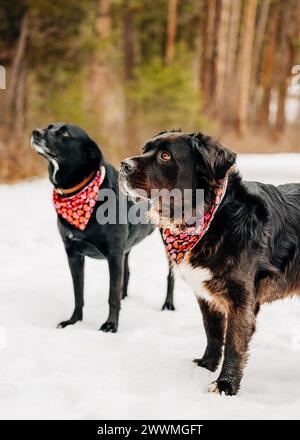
37	133
128	166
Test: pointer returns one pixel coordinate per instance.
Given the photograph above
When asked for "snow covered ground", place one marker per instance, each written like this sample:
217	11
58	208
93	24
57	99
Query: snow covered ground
145	370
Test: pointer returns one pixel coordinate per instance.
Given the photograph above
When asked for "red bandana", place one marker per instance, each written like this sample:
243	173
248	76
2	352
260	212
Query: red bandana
77	209
177	244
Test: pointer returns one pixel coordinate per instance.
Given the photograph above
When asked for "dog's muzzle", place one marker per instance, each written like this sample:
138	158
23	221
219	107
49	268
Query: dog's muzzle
38	143
127	167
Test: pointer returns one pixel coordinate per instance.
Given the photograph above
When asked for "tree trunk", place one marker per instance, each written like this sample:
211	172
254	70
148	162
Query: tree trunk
129	37
245	64
104	88
207	63
16	92
171	31
286	57
265	106
222	28
280	116
129	40
231	60
99	65
264	15
21	101
103	20
259	38
268	64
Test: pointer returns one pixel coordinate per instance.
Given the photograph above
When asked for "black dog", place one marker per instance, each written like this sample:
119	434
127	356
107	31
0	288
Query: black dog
249	254
74	162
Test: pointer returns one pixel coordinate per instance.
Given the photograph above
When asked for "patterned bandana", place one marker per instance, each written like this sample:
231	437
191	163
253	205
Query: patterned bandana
77	209
179	243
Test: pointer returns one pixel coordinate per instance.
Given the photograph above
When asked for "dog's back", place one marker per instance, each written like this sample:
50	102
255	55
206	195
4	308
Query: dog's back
282	238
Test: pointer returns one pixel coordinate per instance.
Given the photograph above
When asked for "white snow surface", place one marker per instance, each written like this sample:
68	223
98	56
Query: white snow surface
145	370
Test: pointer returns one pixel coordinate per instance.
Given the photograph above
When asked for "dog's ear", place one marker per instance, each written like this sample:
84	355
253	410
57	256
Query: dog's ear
214	155
225	159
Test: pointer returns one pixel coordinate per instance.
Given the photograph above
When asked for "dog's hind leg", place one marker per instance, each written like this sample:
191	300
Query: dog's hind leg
214	324
126	276
116	265
76	263
169	301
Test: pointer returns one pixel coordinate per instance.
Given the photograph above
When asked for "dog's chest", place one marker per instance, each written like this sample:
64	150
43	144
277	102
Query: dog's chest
196	278
81	245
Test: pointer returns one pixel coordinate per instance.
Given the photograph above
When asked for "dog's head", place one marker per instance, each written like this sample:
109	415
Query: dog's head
175	160
71	153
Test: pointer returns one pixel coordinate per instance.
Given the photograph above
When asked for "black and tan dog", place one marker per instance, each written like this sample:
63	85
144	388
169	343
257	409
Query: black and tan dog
249	251
77	171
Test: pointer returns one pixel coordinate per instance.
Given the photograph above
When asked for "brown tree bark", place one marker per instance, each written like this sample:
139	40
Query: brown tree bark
103	19
246	56
259	36
21	100
288	36
222	28
268	64
104	88
171	31
99	67
129	49
231	61
129	35
207	63
16	91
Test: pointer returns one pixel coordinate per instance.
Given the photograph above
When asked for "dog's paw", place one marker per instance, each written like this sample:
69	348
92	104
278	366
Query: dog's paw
223	387
168	306
209	364
109	327
71	321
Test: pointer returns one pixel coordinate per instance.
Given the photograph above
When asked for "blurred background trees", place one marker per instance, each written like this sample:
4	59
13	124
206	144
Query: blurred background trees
126	69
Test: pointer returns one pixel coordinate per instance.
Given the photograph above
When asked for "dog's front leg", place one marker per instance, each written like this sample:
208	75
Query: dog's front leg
116	265
126	276
240	327
169	301
76	263
214	323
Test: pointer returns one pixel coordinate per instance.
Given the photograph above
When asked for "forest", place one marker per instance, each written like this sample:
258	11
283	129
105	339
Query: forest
127	69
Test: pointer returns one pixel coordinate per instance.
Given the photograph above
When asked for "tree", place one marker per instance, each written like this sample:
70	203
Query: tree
207	64
246	56
129	56
231	94
258	44
268	63
288	34
171	30
221	43
16	93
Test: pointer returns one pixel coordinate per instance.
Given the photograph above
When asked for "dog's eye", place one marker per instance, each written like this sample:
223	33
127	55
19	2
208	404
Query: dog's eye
165	156
65	134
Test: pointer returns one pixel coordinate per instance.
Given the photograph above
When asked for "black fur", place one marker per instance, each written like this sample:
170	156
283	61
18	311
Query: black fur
77	156
251	249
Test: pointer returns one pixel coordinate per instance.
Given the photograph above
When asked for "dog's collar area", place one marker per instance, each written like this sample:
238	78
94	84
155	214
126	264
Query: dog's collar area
179	243
77	209
77	187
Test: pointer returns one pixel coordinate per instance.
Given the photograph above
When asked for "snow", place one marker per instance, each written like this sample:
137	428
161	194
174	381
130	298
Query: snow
145	370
